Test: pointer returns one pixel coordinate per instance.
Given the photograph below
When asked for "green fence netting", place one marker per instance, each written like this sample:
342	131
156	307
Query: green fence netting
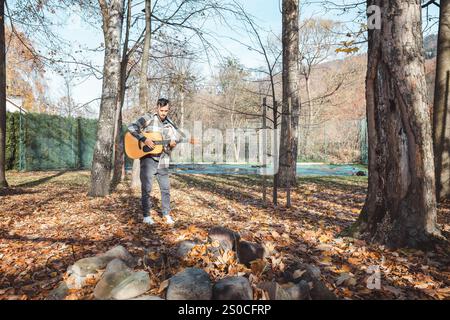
36	141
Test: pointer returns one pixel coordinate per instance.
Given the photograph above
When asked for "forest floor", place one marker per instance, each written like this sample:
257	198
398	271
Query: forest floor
47	222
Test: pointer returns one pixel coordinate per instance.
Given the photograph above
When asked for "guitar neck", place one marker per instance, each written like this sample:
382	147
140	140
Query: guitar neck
167	141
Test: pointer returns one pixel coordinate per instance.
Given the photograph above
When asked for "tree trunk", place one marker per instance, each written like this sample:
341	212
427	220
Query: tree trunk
143	86
3	182
441	111
102	160
288	145
119	157
400	208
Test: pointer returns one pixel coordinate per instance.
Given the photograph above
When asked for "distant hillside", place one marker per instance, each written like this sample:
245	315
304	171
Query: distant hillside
349	101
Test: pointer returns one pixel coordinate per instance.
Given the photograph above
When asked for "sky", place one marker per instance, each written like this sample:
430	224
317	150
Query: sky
266	13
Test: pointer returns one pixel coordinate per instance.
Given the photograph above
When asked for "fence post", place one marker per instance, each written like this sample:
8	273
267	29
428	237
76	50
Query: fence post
275	155
264	146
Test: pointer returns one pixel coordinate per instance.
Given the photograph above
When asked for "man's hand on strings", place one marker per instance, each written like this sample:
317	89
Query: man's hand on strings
149	143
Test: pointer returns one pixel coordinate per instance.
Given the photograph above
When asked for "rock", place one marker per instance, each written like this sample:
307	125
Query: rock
146	297
300	271
75	281
116	272
275	291
249	251
227	237
90	265
121	253
361	173
311	274
184	247
190	284
320	291
134	285
233	288
59	293
222	252
300	291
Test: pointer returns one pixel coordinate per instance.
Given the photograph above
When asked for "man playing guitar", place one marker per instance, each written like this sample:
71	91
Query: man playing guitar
155	165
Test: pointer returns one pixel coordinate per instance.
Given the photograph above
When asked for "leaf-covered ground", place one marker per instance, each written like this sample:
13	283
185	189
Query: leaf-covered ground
47	222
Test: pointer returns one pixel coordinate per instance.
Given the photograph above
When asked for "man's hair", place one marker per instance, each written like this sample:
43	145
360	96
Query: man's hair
162	102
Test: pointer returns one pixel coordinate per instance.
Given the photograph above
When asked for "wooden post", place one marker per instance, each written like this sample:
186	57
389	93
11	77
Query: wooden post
264	148
289	156
275	154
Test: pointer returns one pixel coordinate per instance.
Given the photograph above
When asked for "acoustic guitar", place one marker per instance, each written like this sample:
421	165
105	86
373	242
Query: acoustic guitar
136	149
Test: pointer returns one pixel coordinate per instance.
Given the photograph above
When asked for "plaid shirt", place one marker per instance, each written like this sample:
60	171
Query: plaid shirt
151	122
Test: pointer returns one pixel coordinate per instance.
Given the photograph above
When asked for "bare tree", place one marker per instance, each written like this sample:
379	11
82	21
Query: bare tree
112	14
143	84
3	182
291	101
441	110
118	150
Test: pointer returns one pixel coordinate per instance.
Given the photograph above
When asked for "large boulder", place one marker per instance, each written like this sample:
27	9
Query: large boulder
250	251
119	252
86	266
226	237
134	285
91	265
233	288
115	273
190	284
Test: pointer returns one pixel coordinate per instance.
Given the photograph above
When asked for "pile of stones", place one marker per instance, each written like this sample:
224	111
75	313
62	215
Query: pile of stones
115	278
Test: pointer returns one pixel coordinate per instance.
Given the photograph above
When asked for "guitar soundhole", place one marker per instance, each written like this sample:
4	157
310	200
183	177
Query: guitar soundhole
146	149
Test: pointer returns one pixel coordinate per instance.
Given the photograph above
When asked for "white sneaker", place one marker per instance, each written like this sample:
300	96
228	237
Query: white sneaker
169	219
148	220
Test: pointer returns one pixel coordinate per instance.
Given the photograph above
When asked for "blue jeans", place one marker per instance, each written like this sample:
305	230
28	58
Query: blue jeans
149	168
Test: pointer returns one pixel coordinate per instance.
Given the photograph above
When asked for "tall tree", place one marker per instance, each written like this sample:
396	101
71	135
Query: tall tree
291	98
400	208
118	150
3	182
441	110
112	14
143	83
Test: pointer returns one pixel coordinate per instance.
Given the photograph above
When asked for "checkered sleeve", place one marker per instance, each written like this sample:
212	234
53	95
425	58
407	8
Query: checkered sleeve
137	126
